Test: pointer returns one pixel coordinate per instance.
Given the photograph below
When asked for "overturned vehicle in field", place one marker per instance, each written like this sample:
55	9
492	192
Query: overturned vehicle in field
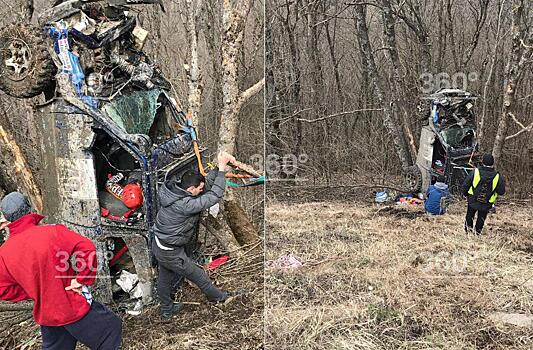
448	144
111	132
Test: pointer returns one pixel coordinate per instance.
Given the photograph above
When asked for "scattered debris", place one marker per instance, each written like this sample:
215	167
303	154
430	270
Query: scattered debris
515	319
408	199
381	197
285	262
129	283
218	262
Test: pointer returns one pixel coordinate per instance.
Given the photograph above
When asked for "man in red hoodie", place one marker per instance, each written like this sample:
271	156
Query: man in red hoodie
35	263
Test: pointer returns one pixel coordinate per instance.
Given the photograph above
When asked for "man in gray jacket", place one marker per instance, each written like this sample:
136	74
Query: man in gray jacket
181	204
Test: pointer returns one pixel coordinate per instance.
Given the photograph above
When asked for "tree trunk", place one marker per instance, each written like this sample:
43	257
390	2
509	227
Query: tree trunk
388	121
194	8
233	23
294	86
481	124
520	53
274	104
335	64
398	103
213	38
15	170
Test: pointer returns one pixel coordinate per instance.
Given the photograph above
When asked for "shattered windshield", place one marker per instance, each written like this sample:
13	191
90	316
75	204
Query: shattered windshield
458	137
134	113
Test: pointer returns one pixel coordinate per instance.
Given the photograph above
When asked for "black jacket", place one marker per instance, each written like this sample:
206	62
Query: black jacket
179	212
487	174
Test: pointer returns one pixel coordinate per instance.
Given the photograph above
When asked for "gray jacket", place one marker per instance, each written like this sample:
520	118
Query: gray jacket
179	211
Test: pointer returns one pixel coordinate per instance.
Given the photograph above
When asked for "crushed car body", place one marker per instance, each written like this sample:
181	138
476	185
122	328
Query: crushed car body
112	133
448	144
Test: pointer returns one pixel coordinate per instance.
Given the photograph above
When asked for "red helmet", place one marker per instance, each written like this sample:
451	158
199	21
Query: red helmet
132	196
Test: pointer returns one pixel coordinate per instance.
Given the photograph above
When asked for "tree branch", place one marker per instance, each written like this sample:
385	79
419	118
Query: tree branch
21	306
523	130
252	91
245	167
294	114
247	94
340	114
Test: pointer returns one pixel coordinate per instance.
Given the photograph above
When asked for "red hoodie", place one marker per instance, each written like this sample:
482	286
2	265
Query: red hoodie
35	264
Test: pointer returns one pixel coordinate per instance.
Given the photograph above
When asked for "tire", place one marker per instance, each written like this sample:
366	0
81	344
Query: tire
26	68
413	179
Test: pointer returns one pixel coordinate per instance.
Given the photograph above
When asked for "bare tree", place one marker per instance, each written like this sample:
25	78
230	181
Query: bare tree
234	18
398	104
456	43
370	65
194	9
494	57
410	12
521	54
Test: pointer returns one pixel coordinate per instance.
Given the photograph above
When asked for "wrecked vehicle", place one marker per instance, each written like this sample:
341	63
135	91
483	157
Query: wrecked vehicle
448	144
111	132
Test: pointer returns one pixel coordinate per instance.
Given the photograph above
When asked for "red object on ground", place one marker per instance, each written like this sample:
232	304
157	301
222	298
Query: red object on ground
35	264
132	196
113	261
217	262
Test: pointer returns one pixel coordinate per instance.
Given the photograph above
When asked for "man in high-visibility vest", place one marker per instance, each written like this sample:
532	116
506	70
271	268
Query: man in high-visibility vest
482	186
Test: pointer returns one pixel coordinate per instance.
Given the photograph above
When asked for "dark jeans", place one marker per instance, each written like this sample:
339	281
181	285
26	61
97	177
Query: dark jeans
100	329
174	264
469	221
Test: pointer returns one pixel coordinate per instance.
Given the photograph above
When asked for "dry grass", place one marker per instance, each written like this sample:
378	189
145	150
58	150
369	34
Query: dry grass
378	278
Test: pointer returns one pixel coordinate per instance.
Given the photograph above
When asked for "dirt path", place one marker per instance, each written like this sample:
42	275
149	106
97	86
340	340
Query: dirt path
386	278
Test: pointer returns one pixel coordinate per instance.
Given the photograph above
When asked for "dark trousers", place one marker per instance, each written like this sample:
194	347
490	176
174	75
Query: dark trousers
469	221
100	329
175	264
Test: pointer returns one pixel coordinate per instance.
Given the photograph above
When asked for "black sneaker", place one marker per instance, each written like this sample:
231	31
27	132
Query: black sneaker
176	308
229	297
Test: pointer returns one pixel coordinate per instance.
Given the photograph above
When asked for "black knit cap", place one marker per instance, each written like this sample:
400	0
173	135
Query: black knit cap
14	206
488	159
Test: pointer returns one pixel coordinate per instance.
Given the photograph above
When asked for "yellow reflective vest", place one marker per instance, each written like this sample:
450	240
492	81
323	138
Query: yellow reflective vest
475	182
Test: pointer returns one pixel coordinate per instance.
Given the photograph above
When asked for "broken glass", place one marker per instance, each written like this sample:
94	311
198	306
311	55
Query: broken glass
134	113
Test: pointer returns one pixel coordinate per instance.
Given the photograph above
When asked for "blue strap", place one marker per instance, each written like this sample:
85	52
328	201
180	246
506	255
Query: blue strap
253	182
189	129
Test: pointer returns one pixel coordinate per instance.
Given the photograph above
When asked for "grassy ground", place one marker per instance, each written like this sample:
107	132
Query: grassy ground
389	278
200	326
